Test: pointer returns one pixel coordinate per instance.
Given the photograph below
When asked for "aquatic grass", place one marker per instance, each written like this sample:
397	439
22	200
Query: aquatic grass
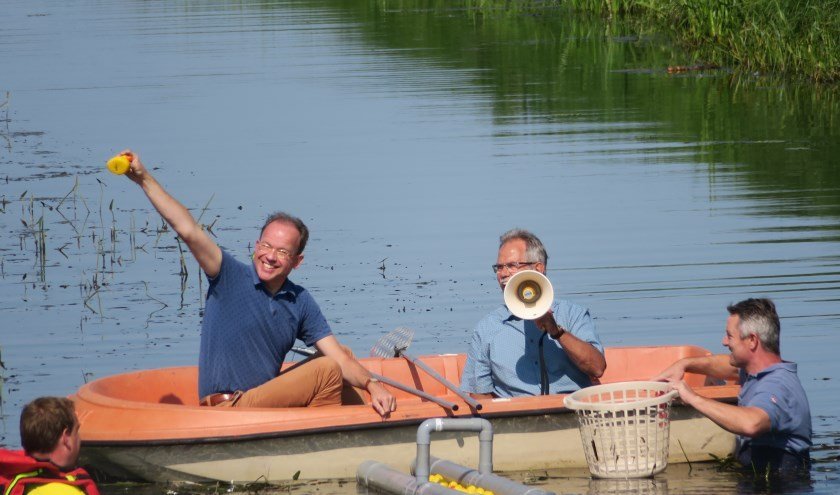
2	381
5	106
152	298
790	37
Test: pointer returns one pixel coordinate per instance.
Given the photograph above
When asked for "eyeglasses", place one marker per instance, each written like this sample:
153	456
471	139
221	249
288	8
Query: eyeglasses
278	252
513	266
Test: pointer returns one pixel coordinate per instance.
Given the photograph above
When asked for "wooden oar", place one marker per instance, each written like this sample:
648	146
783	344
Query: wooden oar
405	388
396	342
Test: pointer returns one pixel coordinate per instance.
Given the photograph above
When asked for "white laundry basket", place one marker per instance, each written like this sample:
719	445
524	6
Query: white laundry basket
624	427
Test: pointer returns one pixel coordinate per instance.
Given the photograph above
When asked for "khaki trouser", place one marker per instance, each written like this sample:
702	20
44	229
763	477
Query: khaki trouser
315	381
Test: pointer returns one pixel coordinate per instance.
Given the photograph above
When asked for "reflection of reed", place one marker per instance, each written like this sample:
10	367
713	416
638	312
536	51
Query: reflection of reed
5	134
782	136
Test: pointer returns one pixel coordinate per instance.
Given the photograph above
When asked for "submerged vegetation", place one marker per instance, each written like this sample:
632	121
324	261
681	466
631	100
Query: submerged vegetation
793	37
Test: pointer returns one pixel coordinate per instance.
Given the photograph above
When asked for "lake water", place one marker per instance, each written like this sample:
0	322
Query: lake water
408	135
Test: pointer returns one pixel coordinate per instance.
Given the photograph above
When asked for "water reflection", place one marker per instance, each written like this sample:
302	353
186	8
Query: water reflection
628	487
409	135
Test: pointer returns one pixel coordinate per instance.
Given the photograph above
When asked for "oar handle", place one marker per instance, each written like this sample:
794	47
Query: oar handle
405	388
451	386
419	393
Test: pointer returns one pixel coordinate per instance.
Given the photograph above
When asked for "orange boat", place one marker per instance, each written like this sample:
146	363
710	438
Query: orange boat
147	425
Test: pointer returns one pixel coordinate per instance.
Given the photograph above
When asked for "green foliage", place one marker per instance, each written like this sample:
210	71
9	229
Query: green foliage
796	37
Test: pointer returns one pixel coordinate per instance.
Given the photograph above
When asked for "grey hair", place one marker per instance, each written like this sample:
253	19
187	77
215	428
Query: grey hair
301	227
534	247
758	316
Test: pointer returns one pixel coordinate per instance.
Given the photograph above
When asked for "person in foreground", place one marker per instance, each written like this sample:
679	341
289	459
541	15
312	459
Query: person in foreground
49	433
253	315
772	420
508	357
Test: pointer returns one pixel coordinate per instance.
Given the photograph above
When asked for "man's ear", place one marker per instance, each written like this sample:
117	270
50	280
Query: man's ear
298	261
65	439
754	341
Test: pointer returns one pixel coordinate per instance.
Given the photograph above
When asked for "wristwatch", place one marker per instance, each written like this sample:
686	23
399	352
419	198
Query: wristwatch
560	332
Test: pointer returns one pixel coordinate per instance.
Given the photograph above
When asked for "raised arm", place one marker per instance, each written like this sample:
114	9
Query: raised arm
206	252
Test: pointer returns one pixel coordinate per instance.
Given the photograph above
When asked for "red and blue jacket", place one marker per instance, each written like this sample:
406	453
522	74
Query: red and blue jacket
20	473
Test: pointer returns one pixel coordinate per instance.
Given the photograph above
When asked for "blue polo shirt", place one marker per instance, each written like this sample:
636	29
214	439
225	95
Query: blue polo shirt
247	332
504	356
778	392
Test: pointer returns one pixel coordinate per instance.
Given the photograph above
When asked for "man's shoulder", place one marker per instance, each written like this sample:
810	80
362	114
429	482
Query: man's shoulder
783	374
493	321
569	307
497	316
231	264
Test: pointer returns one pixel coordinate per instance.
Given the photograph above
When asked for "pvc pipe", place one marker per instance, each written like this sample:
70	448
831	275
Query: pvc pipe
489	481
383	478
424	440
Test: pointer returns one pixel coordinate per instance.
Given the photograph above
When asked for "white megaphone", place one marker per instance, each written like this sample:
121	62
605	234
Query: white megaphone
529	294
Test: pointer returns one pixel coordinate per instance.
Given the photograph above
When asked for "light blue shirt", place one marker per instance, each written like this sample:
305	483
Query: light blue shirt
504	355
778	392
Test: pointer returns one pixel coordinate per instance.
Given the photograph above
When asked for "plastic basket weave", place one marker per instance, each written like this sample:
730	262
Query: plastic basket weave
624	427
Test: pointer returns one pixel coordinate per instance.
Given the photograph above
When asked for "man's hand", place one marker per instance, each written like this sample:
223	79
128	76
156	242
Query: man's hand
136	170
547	324
351	370
672	373
687	395
381	400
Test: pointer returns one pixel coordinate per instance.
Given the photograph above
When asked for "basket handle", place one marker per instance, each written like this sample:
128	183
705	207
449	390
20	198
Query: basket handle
671	395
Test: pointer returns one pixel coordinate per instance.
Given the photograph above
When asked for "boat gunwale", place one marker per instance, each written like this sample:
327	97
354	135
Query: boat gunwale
723	393
273	423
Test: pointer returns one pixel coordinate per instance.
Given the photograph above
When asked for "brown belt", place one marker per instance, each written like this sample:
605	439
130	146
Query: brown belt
216	399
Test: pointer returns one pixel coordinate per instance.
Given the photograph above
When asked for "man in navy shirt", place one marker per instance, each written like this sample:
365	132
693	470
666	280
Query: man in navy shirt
772	419
253	315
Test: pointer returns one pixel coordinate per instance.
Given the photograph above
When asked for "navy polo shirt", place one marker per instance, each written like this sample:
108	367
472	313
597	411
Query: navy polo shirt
778	391
247	332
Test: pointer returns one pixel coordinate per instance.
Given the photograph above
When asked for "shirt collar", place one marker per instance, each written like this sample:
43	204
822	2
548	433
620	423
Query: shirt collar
784	366
286	288
505	315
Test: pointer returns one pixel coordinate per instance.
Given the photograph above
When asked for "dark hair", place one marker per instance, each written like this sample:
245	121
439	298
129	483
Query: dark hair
281	216
534	247
43	421
758	316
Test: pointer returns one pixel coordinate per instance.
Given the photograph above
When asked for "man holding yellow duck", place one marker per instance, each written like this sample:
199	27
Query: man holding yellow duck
254	313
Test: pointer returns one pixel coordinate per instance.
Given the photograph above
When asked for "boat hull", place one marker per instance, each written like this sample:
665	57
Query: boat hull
549	441
170	438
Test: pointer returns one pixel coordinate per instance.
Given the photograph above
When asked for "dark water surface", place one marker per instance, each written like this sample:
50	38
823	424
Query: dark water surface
408	135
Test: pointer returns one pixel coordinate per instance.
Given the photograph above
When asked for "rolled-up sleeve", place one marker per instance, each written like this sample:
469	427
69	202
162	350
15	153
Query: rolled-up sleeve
577	320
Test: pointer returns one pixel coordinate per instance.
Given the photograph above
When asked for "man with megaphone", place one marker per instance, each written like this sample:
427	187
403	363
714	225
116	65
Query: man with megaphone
533	344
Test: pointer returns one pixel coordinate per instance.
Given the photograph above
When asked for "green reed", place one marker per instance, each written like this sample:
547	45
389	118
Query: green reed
793	37
4	133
